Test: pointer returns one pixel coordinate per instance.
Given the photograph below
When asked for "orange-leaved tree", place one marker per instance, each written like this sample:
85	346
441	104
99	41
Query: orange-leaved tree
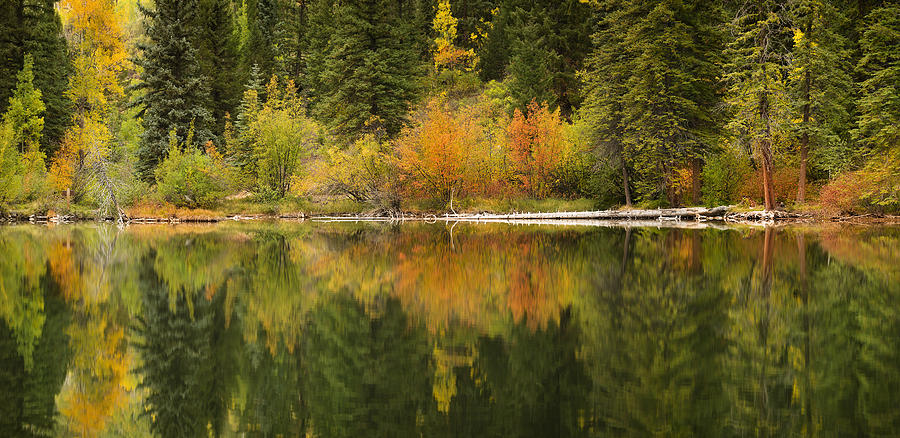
537	146
437	157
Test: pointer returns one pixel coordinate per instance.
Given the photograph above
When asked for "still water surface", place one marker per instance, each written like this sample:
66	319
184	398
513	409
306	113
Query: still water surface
374	330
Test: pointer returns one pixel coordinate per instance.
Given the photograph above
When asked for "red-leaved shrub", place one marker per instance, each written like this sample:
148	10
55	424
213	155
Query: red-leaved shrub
784	181
841	194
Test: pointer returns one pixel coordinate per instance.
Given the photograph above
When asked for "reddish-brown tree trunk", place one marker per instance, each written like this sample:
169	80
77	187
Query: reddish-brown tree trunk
625	183
804	143
695	180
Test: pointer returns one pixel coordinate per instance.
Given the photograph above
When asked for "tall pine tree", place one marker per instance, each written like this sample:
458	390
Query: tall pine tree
217	54
367	64
175	93
755	72
34	27
652	89
548	43
671	96
606	78
879	103
532	60
820	82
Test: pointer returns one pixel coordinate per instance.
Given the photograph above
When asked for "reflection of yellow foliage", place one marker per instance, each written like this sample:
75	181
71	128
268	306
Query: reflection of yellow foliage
99	367
444	383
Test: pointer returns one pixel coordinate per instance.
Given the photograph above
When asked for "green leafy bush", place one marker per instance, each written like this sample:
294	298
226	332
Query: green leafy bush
361	172
10	167
723	175
274	138
190	178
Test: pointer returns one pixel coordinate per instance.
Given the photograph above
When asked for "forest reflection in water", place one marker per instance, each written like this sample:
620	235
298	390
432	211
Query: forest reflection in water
346	330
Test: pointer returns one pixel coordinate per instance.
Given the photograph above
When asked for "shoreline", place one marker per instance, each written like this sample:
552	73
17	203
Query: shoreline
682	217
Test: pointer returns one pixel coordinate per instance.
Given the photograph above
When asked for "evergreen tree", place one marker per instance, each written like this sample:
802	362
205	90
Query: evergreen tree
473	16
266	36
671	95
652	89
532	61
365	74
548	41
605	77
217	54
879	103
295	19
34	27
755	72
175	93
24	115
820	81
493	55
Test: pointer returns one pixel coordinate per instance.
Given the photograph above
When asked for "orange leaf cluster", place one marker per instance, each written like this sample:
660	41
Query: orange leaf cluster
536	145
438	158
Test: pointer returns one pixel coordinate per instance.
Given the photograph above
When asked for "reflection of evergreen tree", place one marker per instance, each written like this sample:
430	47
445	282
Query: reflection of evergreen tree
365	376
471	410
275	404
825	337
546	384
537	386
762	378
28	397
177	340
876	301
654	339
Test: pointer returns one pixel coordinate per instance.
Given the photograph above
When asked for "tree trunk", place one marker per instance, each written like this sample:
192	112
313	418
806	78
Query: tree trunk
765	148
768	191
695	180
804	142
625	183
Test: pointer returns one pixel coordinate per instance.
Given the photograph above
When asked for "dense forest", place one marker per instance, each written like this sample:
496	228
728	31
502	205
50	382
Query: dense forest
118	104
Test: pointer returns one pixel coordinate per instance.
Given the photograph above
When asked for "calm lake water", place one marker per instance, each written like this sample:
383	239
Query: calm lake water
418	330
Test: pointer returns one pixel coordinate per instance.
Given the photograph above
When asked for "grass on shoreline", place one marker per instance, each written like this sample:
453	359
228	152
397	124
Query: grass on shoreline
298	206
294	206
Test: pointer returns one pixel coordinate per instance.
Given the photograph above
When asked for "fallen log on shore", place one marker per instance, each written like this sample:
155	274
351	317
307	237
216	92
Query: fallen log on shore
662	214
630	217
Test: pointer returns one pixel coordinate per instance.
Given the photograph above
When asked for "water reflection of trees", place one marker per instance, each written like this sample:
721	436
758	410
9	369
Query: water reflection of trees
351	330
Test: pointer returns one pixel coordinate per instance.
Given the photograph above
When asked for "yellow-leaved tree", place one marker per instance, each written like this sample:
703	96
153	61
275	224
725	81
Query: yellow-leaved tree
95	36
448	56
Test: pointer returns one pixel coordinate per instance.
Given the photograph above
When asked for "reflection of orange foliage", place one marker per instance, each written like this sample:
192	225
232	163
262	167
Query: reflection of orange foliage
529	298
536	145
877	251
62	268
481	278
684	250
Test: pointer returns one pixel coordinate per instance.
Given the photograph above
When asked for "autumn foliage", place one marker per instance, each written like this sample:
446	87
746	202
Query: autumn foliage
437	158
536	147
